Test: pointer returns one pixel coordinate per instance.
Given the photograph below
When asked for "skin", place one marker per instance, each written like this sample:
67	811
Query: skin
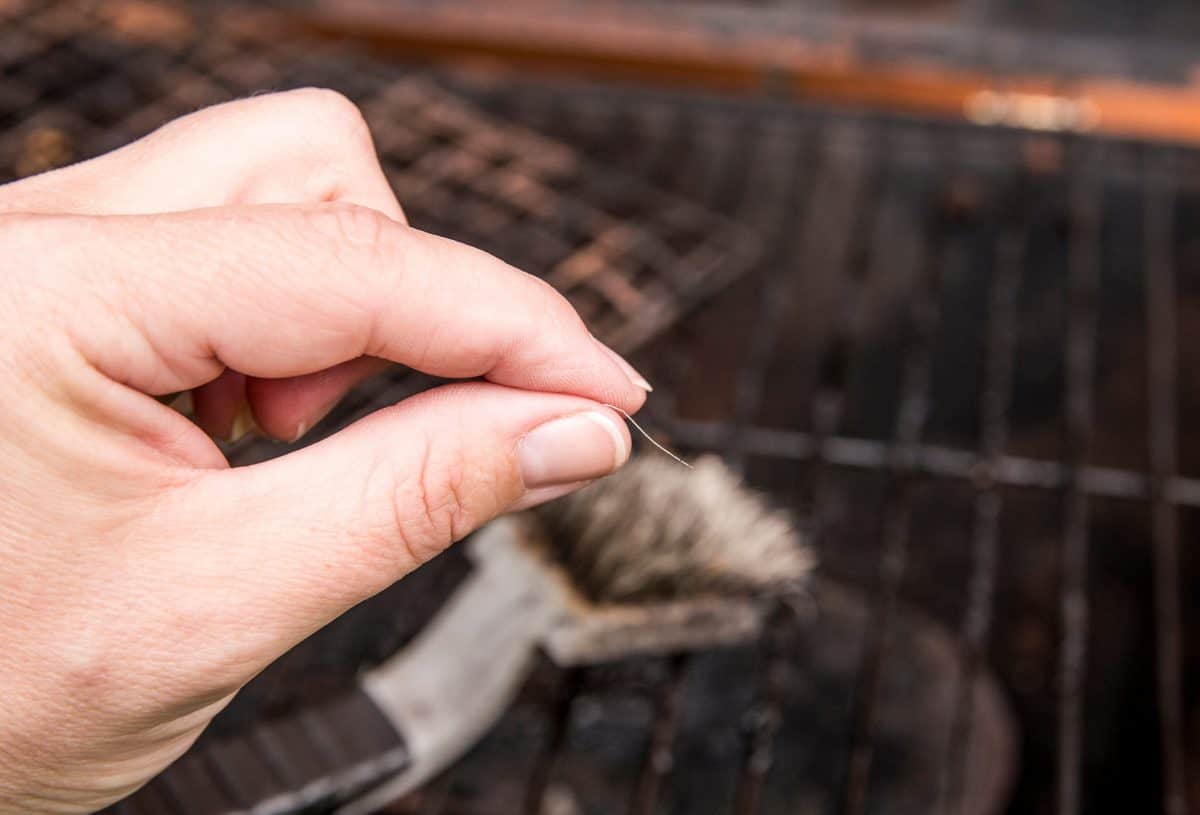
253	254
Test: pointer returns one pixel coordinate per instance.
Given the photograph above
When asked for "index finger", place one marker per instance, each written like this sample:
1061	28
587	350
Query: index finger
279	291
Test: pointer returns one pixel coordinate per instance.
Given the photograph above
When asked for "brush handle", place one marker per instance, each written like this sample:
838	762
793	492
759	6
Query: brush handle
455	680
409	718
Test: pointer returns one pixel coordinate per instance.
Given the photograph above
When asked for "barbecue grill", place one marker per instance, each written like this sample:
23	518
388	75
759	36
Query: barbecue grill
962	355
964	360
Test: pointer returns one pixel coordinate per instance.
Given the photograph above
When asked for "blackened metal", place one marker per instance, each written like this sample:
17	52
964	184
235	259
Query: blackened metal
763	720
191	791
995	396
825	218
559	712
323	755
925	249
1083	281
825	242
1162	361
995	613
660	752
935	460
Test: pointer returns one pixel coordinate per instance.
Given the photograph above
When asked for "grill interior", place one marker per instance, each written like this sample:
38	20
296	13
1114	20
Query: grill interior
963	358
965	363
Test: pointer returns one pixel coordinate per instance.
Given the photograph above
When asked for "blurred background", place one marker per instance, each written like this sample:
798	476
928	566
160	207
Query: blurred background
923	271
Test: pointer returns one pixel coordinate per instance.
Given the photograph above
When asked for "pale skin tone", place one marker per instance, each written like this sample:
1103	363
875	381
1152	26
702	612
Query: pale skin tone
253	254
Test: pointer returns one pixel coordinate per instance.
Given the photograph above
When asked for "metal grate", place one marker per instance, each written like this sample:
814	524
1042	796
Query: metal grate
81	78
966	361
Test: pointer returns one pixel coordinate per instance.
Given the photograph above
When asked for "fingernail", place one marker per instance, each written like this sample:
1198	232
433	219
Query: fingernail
301	429
539	496
637	379
572	448
243	423
312	421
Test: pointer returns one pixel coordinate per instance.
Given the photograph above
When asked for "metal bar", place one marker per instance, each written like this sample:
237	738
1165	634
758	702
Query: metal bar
825	233
933	460
560	724
779	650
1083	285
849	259
910	421
1162	361
1000	352
660	752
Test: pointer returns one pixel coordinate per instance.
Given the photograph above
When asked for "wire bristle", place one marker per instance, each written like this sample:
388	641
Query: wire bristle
656	530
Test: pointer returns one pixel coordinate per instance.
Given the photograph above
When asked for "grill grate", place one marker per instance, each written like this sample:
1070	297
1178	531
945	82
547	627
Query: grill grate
1061	485
87	77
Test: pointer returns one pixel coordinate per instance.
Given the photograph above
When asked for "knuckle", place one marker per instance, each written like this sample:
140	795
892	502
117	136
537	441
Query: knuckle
338	116
351	224
429	504
558	309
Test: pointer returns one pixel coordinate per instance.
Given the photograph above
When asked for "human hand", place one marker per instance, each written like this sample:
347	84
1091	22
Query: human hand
253	254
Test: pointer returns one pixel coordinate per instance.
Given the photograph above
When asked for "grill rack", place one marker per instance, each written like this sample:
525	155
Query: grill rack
82	78
989	202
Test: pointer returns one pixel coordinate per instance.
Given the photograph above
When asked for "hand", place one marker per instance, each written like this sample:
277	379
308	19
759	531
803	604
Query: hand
254	254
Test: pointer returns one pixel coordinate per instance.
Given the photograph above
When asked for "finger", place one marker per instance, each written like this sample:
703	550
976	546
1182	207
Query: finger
286	291
304	146
309	145
292	542
215	405
288	408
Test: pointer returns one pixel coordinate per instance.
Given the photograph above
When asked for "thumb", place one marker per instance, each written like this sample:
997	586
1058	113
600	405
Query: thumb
293	542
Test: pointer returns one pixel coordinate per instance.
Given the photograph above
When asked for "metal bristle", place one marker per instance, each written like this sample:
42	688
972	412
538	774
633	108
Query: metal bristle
656	530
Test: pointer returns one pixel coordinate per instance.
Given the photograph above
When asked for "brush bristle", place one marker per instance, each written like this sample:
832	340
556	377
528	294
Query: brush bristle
657	530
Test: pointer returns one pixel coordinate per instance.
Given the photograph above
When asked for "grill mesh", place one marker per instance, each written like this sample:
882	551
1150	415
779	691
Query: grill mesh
965	361
81	79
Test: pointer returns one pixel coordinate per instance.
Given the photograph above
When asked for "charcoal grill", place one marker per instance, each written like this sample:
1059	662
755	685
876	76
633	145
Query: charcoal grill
963	360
